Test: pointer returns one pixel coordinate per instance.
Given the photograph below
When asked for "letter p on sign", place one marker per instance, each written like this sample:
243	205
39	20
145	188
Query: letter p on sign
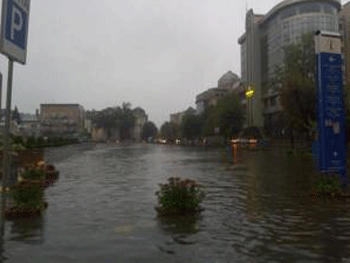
16	21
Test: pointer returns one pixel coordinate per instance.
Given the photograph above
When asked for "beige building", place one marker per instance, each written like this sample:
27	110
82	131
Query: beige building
209	97
61	118
176	118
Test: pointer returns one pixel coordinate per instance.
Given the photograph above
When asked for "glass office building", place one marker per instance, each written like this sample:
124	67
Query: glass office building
266	35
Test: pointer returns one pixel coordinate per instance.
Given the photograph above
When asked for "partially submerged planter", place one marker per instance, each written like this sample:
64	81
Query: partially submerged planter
48	176
52	175
178	212
14	213
179	197
341	195
27	199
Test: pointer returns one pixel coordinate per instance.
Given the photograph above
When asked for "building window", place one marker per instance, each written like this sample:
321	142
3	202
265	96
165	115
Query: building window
329	9
309	8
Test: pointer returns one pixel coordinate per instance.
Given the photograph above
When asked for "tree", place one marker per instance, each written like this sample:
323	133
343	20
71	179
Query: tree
209	121
230	115
149	130
170	131
191	126
296	84
16	116
117	118
127	121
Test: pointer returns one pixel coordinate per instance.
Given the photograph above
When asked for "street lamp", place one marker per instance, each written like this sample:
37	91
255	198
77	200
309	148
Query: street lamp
249	96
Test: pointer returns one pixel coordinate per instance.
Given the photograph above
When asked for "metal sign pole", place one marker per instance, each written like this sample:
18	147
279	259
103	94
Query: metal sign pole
7	150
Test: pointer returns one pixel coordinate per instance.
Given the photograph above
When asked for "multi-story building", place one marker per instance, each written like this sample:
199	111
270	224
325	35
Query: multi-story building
228	81
176	118
209	97
61	118
30	125
262	49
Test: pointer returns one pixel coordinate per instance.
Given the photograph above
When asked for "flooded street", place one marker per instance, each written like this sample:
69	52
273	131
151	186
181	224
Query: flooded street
257	209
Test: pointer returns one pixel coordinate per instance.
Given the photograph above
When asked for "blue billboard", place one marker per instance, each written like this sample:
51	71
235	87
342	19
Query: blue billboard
331	116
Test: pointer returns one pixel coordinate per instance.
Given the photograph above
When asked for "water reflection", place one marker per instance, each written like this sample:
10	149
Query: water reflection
188	224
258	209
30	231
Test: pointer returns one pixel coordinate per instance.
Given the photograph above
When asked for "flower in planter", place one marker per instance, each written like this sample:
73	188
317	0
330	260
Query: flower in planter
33	173
328	184
179	196
27	195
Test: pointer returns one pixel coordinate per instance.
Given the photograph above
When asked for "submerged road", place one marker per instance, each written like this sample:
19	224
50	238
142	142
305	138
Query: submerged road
257	209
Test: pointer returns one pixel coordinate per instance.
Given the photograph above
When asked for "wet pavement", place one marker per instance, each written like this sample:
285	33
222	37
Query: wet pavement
257	209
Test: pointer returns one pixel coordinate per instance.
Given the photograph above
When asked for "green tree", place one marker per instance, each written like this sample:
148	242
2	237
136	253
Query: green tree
170	131
16	116
230	115
149	130
191	126
127	122
295	81
209	121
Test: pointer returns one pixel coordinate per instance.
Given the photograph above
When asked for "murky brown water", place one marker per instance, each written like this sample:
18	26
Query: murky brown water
257	209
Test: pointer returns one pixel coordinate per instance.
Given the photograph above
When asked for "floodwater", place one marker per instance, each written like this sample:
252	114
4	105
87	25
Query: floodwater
257	209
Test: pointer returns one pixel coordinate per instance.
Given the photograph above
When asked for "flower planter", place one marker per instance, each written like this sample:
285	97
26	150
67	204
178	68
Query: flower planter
178	212
52	175
331	195
14	213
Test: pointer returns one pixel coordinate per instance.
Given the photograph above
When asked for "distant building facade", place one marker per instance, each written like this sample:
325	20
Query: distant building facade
30	125
61	118
209	97
228	81
176	118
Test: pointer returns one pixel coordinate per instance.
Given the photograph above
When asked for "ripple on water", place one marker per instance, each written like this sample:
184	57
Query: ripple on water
102	207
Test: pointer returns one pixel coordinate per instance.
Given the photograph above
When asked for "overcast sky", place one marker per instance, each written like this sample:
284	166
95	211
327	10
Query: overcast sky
155	54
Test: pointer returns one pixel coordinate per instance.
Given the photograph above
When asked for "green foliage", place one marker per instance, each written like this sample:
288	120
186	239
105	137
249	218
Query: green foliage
177	195
16	116
210	121
32	142
17	140
230	115
191	126
34	173
296	82
149	130
170	131
122	119
227	115
27	195
328	184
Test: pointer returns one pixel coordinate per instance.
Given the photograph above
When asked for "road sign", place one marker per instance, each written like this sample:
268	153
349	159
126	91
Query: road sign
14	29
330	105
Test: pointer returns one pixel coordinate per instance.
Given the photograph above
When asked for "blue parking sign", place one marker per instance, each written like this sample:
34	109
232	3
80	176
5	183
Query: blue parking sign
14	29
16	20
